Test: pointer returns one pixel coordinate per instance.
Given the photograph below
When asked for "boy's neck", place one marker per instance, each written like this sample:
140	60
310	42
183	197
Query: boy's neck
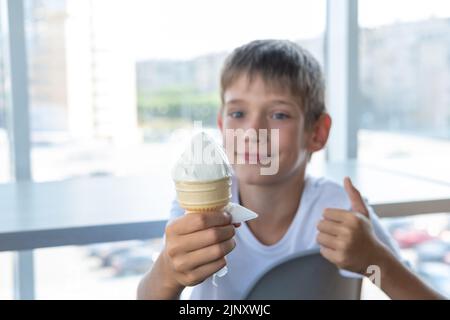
276	205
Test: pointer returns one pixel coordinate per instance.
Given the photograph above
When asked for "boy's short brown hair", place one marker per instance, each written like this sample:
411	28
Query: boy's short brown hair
283	65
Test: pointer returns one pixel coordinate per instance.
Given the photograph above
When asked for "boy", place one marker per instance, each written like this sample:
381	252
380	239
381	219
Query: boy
269	85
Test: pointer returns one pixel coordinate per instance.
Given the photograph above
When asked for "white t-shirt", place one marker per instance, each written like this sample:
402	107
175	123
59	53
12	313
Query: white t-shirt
250	258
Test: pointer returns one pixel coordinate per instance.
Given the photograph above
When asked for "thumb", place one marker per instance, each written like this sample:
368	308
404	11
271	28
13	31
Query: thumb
356	200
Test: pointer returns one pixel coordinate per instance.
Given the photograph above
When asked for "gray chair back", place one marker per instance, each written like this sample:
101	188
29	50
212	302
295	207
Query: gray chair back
304	276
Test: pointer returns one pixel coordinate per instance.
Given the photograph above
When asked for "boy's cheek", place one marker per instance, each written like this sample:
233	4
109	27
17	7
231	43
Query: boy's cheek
233	124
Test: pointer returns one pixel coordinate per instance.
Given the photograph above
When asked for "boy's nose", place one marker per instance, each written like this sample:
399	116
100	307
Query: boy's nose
257	122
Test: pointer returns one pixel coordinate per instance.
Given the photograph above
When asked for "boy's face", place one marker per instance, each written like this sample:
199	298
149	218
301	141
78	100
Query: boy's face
254	105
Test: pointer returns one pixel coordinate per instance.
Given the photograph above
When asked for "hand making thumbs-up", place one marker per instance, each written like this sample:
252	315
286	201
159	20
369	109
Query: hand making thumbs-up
346	238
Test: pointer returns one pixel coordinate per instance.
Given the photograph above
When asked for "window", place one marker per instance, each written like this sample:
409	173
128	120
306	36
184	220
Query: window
107	271
6	258
405	115
6	276
425	243
404	80
5	169
110	86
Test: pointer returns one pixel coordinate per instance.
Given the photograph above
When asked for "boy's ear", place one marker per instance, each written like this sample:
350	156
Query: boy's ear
320	133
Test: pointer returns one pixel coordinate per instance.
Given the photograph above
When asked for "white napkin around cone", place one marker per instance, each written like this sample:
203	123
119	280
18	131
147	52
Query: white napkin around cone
239	214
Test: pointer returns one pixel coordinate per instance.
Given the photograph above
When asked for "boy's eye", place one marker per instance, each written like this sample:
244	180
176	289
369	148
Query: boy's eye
236	114
280	116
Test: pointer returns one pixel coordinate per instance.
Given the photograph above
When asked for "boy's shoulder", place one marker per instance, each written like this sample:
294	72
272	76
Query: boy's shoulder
327	192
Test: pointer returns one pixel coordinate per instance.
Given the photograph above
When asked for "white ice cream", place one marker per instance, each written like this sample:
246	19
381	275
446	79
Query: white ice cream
203	160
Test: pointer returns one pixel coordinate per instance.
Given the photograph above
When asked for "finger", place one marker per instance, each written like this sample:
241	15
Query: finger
336	215
207	270
328	241
206	255
237	225
193	222
356	199
332	228
328	253
205	238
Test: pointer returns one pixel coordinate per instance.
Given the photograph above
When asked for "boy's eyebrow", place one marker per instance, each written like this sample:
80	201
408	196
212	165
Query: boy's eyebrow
235	101
275	101
281	101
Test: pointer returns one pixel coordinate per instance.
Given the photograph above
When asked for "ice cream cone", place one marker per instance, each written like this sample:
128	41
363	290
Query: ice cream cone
202	196
206	186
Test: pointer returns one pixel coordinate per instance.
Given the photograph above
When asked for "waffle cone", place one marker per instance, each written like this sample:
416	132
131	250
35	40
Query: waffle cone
203	196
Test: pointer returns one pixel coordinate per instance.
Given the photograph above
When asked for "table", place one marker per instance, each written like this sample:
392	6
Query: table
82	211
392	193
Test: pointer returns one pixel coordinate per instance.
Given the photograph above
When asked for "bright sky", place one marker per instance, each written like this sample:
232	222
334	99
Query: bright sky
188	28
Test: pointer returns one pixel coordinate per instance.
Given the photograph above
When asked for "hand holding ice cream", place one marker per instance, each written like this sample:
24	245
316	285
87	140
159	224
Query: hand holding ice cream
196	246
197	243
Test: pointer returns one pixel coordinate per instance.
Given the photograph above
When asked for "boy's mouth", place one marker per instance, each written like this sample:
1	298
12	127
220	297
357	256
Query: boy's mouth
254	157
